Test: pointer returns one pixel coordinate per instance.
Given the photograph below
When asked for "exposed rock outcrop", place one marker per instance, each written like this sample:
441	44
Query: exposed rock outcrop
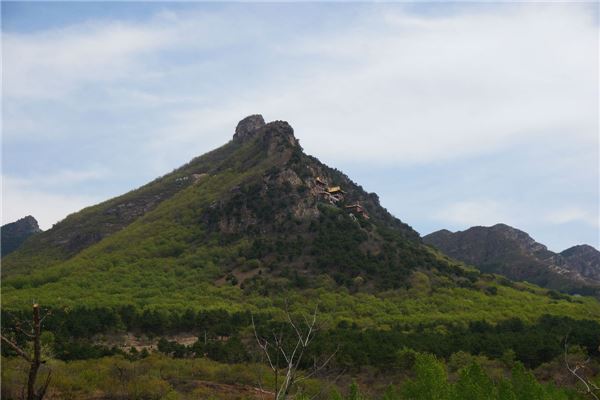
583	259
248	127
15	233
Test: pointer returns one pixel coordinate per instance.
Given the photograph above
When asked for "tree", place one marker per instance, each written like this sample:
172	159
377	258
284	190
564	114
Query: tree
35	359
525	385
431	382
577	369
473	384
292	350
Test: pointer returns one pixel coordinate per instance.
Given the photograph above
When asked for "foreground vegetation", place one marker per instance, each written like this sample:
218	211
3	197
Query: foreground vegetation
158	376
223	360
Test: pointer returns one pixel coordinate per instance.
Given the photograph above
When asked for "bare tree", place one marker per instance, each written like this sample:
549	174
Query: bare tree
577	370
284	358
35	359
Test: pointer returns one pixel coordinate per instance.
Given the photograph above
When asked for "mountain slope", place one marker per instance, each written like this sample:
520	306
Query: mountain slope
15	233
508	251
257	207
81	230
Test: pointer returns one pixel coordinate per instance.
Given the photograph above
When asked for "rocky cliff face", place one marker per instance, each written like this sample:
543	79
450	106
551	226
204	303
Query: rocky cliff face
15	233
511	252
247	127
583	259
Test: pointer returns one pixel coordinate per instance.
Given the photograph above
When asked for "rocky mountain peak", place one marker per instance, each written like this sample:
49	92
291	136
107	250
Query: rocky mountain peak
279	133
15	233
273	134
28	223
441	232
584	259
248	127
579	249
521	238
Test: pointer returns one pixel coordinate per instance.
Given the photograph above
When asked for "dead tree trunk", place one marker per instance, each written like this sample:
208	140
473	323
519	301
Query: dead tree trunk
35	360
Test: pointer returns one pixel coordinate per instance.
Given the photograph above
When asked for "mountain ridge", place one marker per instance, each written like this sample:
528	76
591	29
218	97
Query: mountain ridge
514	253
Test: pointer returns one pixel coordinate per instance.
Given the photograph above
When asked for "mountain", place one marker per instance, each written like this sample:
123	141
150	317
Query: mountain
15	233
583	259
257	212
508	251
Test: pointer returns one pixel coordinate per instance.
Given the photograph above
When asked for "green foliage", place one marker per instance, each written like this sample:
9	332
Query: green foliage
157	376
472	384
431	381
355	393
524	384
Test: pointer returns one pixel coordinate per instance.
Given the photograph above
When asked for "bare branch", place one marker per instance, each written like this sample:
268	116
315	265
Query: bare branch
329	384
316	369
263	346
291	352
590	387
16	348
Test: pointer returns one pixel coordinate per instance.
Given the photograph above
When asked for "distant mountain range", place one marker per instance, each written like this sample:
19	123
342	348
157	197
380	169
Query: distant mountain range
15	233
505	250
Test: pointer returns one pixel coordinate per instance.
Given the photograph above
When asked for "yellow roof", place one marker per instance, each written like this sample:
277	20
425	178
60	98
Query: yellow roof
334	189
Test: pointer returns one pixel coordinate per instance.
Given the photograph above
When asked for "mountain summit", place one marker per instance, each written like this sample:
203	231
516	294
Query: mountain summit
256	213
15	233
248	126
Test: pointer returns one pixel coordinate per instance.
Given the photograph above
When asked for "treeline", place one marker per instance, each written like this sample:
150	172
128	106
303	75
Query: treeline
227	337
532	344
84	322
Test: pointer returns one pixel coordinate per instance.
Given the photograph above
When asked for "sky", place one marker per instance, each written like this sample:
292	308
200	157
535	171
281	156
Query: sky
456	114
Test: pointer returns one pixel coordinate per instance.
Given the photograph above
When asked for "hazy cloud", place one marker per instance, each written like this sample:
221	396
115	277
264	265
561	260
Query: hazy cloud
573	214
21	197
475	212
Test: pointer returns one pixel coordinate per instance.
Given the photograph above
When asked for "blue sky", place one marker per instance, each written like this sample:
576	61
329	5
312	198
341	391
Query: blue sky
455	114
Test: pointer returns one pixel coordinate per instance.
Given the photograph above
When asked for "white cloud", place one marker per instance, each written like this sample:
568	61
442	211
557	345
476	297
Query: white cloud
62	178
426	89
406	88
398	88
51	64
474	212
573	214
